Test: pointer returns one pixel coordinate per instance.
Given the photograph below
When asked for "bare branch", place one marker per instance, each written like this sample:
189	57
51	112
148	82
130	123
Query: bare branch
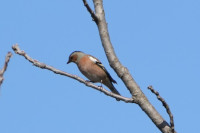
123	72
93	15
8	56
44	66
165	105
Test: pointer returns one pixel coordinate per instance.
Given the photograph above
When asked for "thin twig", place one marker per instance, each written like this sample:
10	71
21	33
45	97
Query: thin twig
7	59
165	105
44	66
93	15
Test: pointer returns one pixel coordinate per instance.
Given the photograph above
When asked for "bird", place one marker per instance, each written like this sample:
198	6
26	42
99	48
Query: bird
93	69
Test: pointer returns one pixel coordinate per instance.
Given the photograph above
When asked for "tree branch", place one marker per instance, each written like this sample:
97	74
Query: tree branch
7	59
165	105
94	17
44	66
123	72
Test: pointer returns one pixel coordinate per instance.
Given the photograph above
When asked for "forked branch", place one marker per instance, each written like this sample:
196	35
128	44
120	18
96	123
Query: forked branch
123	72
93	15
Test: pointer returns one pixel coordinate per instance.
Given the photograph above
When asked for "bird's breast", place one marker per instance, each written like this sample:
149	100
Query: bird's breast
91	70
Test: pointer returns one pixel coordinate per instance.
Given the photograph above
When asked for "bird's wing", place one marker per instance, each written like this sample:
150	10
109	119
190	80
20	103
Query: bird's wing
97	62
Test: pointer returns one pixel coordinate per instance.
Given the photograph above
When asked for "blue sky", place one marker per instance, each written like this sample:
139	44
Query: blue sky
158	41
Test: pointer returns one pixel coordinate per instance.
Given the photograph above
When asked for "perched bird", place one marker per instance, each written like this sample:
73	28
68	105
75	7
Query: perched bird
93	69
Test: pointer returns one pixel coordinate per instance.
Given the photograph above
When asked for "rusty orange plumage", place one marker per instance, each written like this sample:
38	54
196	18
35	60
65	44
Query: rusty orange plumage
93	69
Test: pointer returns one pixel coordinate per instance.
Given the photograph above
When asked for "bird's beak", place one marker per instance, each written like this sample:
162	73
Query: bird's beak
68	61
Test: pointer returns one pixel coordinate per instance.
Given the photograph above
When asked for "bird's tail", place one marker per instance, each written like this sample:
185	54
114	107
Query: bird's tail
113	89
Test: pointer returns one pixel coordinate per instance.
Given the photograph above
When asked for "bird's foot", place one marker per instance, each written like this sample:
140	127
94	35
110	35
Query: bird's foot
101	83
89	81
101	86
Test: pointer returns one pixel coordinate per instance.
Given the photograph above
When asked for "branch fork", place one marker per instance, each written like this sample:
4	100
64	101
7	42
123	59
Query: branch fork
137	95
122	71
93	15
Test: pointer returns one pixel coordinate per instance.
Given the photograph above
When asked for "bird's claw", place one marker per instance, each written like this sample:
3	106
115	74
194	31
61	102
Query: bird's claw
87	81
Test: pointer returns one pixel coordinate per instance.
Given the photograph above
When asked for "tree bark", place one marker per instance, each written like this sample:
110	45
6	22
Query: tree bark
123	72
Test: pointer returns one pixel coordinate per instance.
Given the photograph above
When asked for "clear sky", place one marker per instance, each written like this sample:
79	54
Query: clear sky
158	41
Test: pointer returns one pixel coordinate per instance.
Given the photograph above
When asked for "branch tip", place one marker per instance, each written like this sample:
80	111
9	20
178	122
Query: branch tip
2	71
164	103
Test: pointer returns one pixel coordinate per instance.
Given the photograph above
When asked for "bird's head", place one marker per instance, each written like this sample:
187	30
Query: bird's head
75	57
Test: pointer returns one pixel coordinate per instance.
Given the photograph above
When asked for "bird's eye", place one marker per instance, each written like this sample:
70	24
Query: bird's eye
72	58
